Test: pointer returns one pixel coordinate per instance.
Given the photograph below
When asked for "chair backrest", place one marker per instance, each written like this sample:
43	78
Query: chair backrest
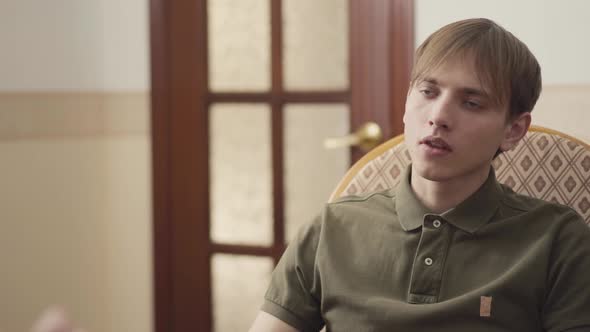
546	164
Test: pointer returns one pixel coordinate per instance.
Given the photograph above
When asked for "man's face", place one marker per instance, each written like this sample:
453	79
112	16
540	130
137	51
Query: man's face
452	128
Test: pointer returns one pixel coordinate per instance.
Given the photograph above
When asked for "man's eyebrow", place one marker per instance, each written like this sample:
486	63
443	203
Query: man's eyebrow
430	80
475	92
465	90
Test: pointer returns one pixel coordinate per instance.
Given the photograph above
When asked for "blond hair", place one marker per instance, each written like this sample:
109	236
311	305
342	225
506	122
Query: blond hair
507	69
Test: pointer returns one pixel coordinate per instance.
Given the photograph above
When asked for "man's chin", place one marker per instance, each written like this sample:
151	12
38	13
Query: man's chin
435	173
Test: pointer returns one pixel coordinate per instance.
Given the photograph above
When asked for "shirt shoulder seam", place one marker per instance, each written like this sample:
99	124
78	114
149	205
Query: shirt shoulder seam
352	199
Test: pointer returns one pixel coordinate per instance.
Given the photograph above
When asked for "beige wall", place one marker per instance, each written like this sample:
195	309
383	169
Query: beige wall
555	31
76	209
75	171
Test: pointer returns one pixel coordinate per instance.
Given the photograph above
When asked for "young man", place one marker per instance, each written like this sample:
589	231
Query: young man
449	249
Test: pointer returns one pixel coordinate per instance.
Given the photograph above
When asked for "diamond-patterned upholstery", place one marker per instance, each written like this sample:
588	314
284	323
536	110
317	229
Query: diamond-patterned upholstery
546	164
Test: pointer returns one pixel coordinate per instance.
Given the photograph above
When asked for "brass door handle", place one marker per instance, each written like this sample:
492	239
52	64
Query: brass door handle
368	136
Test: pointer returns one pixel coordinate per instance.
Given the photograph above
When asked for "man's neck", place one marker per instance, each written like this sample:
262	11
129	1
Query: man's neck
441	196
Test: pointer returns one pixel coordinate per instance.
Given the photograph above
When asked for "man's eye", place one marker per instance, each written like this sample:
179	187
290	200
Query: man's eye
427	92
472	105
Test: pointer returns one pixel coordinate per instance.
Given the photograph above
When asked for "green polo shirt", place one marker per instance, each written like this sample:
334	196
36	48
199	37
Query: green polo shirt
382	262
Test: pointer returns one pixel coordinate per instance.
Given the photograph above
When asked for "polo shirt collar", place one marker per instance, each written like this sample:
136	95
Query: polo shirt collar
469	215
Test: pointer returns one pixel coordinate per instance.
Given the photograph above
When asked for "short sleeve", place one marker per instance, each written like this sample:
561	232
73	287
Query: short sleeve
294	294
567	303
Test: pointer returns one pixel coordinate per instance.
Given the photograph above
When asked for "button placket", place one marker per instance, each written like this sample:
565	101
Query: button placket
429	261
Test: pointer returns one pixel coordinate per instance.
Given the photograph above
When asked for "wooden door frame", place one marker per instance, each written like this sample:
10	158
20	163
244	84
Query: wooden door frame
380	67
180	134
180	201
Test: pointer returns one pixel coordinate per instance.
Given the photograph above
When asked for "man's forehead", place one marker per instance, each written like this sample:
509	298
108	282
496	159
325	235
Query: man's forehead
458	71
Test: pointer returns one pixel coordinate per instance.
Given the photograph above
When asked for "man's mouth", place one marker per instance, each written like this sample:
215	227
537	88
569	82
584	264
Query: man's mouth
436	143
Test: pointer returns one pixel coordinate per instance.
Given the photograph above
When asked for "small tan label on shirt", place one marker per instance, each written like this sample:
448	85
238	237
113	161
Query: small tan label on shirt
485	306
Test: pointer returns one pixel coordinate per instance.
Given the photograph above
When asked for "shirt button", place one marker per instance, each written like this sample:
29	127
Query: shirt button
428	261
436	223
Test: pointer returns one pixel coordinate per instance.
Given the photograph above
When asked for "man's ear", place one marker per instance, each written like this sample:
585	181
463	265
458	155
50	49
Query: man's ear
515	130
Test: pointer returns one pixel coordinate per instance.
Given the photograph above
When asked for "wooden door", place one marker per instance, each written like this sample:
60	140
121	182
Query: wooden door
191	108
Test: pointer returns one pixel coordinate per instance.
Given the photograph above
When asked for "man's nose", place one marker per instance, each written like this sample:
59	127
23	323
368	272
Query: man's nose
441	113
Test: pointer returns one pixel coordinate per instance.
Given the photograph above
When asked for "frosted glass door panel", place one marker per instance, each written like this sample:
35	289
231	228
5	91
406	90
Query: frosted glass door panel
311	171
315	44
239	45
239	284
241	174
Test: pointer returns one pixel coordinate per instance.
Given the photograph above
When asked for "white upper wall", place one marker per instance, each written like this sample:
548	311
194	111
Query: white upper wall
555	31
74	45
103	44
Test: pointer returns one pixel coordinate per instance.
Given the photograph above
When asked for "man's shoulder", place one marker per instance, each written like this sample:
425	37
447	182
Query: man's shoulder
526	203
375	206
514	204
